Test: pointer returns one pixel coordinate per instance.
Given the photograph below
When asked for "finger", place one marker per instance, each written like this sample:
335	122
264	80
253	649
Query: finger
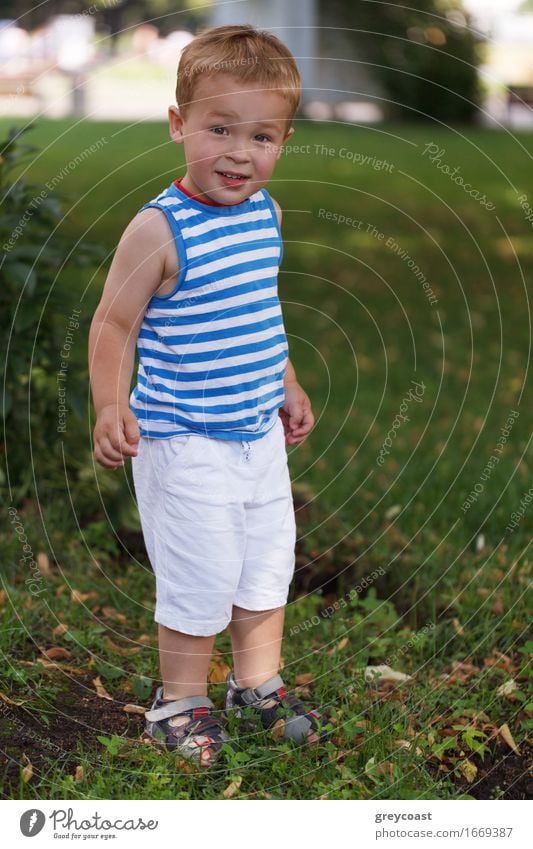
109	451
131	430
103	461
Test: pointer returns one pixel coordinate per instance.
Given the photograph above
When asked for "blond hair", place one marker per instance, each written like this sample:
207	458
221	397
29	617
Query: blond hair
249	55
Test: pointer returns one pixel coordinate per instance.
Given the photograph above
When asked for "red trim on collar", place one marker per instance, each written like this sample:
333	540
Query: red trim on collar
187	192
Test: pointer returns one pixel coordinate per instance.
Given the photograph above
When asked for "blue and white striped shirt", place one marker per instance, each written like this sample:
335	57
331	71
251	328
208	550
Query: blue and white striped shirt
213	352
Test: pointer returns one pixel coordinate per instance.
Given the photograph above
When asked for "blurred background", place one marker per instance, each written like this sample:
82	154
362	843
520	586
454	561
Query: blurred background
407	198
115	58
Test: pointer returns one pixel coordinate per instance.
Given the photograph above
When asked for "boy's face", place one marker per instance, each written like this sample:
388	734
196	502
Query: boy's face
230	128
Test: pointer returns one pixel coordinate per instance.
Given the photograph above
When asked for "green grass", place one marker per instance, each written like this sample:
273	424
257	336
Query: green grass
360	330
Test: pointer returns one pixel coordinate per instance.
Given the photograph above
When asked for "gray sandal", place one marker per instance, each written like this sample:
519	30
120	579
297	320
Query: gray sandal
200	738
271	702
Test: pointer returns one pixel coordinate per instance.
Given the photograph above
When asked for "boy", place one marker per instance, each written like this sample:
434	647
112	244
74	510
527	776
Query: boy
194	283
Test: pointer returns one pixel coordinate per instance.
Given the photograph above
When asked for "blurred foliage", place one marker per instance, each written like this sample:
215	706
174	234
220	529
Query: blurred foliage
424	54
115	16
38	274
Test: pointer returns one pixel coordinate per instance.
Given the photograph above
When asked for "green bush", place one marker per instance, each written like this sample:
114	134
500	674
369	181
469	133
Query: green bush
424	54
39	277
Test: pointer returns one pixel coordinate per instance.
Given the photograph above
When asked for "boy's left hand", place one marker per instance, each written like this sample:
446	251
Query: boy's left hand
296	414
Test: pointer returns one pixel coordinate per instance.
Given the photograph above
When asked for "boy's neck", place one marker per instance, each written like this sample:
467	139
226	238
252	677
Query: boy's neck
195	197
208	202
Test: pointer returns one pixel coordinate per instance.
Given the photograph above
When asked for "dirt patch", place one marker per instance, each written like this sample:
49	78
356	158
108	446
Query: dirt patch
501	775
80	715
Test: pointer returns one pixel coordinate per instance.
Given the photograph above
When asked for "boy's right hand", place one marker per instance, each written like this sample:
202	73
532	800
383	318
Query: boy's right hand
116	435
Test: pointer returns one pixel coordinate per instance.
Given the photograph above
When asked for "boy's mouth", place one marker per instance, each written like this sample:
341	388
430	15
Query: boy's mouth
232	178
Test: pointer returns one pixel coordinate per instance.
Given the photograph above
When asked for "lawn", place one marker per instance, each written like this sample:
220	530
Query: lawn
406	304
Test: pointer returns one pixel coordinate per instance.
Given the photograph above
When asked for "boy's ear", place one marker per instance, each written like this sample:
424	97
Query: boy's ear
175	124
289	134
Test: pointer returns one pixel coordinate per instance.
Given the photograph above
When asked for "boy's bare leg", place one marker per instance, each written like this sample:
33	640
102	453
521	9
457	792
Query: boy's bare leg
256	642
184	661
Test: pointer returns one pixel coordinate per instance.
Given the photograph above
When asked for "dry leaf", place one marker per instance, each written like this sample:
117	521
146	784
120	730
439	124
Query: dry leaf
112	613
125	652
9	701
382	768
79	775
27	772
458	628
43	564
468	770
505	733
52	664
498	607
134	709
507	688
384	673
145	639
232	788
56	653
304	678
2	596
340	645
101	690
278	729
59	630
78	597
393	511
218	671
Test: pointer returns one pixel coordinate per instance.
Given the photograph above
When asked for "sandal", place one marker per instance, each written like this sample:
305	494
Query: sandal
277	709
199	738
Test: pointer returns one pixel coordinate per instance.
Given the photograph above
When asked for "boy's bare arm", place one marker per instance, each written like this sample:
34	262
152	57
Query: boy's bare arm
137	271
296	413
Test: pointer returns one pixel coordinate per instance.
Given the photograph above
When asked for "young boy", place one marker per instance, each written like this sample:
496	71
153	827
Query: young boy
194	284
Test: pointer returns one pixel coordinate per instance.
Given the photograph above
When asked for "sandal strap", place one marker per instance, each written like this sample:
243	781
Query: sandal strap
268	688
169	709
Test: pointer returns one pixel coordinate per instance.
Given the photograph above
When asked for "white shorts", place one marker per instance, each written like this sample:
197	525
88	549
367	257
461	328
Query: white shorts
218	523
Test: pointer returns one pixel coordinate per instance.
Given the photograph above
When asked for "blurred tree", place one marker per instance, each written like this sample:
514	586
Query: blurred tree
115	16
423	53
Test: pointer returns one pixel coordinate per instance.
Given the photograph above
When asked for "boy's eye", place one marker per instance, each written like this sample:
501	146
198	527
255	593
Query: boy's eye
262	136
214	130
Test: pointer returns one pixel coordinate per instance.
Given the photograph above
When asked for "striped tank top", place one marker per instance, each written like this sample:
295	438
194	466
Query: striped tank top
213	351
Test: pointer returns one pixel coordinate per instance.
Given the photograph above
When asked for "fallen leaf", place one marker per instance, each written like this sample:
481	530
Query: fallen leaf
505	733
382	768
383	672
9	701
27	772
79	775
122	650
340	645
458	628
43	564
101	690
498	607
278	729
507	688
52	664
2	596
112	613
304	678
467	769
232	788
218	671
134	709
393	511
78	597
59	630
56	653
145	639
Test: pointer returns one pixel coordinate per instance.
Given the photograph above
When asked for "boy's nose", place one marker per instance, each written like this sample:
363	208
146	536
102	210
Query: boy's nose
239	154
